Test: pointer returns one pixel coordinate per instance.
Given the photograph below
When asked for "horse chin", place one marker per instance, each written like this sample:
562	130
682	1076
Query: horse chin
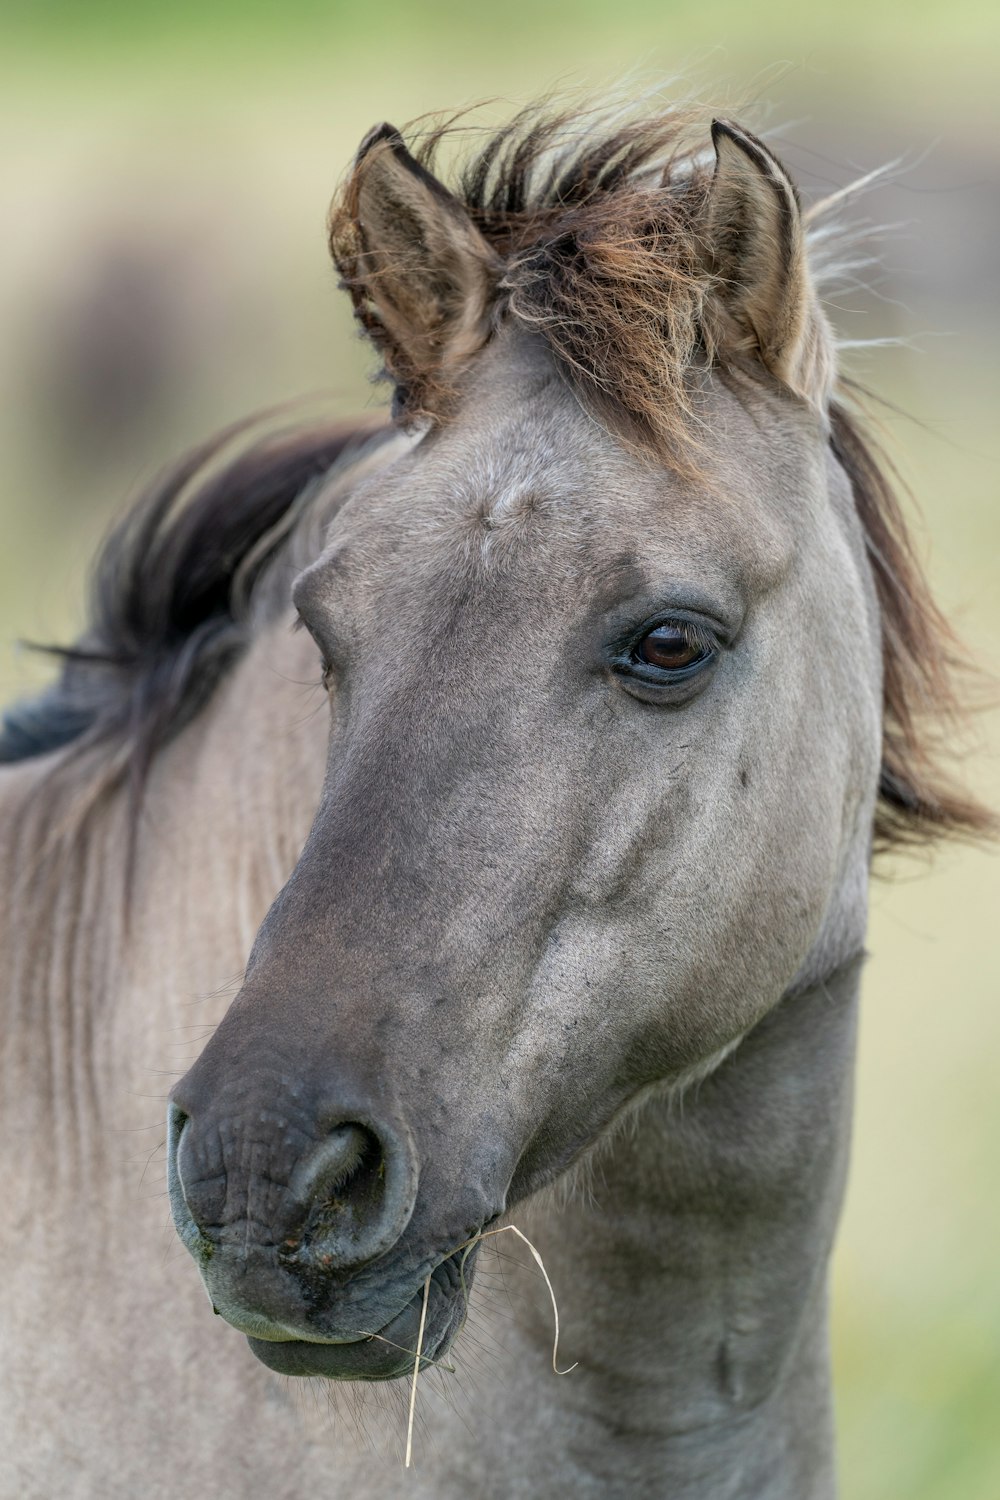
387	1354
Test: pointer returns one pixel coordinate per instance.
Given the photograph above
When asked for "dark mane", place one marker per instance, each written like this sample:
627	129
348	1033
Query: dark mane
168	601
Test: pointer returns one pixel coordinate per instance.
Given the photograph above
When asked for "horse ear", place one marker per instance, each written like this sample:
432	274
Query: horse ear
421	275
759	256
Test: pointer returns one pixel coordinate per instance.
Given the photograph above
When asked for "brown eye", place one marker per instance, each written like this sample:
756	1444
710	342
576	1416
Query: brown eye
669	647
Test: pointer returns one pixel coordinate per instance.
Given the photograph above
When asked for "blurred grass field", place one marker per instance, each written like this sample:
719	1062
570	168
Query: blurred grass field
166	174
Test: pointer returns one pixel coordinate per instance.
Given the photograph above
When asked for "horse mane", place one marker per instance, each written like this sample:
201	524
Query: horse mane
598	232
924	667
170	595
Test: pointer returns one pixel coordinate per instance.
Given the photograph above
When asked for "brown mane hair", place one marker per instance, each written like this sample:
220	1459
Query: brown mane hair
599	224
924	669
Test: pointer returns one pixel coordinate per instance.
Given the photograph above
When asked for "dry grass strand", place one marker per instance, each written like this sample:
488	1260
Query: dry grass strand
418	1355
416	1371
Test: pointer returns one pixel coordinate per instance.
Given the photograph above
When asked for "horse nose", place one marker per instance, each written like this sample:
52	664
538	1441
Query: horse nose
357	1190
345	1200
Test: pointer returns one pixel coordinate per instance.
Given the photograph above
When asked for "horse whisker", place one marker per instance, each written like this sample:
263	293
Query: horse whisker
439	1364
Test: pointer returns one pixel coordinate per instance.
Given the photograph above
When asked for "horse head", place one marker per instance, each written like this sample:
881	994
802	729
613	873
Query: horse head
602	646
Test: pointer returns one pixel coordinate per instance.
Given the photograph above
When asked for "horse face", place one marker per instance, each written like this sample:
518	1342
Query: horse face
603	752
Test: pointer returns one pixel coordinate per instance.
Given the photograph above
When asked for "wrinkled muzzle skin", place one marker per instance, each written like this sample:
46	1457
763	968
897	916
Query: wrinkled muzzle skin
533	888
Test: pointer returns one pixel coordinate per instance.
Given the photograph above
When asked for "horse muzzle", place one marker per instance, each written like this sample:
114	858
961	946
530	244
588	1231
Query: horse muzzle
305	1257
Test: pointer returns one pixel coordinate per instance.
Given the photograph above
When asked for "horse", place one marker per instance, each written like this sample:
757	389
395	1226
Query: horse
524	754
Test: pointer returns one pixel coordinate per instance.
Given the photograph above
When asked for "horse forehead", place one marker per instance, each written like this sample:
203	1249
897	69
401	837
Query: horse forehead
544	479
523	479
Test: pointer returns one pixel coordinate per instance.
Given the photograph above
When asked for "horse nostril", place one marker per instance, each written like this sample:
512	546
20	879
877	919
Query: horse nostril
347	1199
356	1190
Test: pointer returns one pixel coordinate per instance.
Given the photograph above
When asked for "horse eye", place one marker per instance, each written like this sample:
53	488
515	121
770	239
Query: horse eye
669	647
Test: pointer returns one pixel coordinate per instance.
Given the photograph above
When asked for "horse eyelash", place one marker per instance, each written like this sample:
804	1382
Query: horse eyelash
696	635
325	668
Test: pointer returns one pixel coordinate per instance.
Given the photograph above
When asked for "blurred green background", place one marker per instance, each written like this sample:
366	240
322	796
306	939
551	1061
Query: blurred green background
165	178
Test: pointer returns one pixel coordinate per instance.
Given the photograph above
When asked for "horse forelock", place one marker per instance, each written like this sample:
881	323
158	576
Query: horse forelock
595	219
598	220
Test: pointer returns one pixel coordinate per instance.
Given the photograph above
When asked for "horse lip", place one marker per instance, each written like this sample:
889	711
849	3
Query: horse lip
259	1326
369	1356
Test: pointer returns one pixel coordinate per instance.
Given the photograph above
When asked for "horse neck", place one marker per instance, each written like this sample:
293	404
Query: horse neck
107	1004
691	1265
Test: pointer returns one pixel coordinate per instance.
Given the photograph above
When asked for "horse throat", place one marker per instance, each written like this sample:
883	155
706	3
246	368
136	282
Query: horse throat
691	1270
